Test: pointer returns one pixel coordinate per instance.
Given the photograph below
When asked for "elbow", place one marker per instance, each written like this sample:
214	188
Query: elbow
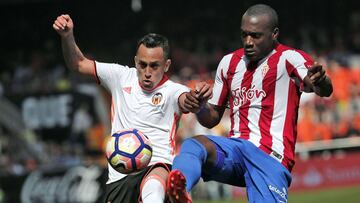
327	92
79	65
85	66
74	65
324	89
212	126
208	125
329	89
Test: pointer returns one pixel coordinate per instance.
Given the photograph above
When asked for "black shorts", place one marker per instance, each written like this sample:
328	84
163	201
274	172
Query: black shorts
127	189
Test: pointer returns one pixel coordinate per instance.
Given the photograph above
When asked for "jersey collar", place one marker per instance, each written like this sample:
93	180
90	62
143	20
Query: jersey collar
162	81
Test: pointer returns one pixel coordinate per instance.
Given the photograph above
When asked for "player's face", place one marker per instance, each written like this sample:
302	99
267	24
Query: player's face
151	66
257	36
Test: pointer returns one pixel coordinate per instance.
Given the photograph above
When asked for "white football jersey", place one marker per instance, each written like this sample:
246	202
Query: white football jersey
156	113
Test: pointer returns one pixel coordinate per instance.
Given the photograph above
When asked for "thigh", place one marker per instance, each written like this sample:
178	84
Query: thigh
158	171
267	180
125	189
232	170
128	188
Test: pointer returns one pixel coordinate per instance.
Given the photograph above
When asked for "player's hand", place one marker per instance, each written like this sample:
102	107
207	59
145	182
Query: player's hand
191	103
198	97
63	25
203	92
316	74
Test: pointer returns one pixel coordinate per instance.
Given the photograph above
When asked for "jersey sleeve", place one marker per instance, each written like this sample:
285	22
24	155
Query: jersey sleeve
178	91
110	74
220	89
299	62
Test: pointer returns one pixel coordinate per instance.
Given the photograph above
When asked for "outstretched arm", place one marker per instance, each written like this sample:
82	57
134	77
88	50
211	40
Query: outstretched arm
318	82
73	56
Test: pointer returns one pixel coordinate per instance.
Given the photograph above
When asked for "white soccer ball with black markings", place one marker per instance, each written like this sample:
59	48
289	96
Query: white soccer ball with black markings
128	151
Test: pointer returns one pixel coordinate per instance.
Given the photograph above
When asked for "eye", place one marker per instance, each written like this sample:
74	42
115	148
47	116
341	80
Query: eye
256	35
244	34
154	65
142	64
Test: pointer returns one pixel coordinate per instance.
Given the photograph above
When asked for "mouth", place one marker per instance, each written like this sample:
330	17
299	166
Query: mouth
147	83
249	52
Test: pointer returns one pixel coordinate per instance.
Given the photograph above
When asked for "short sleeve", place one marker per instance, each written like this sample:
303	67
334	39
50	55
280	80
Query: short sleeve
180	89
298	63
110	74
220	89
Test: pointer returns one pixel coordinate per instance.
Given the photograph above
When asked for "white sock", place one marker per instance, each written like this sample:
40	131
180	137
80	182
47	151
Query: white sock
153	192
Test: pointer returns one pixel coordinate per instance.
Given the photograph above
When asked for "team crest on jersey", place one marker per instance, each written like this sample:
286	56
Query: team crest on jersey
264	70
156	99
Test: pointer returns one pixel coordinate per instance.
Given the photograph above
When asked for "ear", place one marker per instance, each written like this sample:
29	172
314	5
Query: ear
275	33
167	65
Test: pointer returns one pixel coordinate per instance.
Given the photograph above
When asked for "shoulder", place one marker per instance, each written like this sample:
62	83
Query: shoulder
239	53
113	67
231	57
106	64
292	53
172	90
229	62
175	85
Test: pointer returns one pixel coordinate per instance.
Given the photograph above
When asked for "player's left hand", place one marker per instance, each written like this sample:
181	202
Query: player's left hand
203	92
316	74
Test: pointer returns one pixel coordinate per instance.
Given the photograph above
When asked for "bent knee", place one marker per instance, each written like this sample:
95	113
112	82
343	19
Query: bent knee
206	142
209	146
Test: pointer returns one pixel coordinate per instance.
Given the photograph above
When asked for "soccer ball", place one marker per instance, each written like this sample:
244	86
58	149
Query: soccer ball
128	151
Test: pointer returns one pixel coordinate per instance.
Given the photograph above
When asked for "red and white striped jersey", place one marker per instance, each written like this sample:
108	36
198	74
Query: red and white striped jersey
263	98
156	113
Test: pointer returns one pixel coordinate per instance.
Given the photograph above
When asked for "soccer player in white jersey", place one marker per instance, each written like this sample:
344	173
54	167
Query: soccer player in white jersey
261	84
143	98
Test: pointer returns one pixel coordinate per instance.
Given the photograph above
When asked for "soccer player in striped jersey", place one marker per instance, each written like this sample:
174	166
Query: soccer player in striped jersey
261	84
142	98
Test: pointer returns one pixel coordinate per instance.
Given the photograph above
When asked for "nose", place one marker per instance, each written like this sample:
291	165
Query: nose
147	72
248	41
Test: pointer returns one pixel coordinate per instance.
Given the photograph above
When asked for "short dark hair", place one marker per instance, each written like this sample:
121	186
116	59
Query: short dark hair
263	9
153	40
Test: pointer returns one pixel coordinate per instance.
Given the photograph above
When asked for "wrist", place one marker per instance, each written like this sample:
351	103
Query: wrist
67	36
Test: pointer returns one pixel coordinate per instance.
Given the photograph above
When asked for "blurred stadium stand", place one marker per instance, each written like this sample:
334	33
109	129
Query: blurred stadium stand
53	121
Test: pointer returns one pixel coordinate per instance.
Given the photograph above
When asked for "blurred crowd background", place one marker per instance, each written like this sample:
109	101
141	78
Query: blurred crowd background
34	80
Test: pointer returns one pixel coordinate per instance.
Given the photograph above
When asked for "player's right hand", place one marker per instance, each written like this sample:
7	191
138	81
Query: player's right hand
198	97
63	25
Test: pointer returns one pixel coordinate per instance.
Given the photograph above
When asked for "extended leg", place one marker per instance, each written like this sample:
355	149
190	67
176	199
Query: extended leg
153	186
194	154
